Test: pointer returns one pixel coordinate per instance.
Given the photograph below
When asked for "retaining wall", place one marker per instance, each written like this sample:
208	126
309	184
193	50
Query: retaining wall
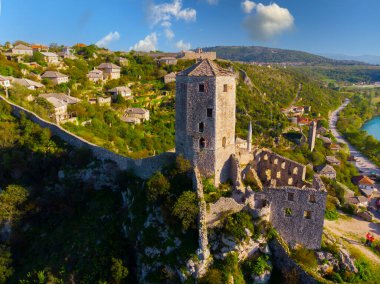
143	168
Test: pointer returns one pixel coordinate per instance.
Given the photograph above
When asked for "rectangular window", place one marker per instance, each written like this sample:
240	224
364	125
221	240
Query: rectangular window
288	212
307	214
201	88
209	112
225	88
312	198
290	196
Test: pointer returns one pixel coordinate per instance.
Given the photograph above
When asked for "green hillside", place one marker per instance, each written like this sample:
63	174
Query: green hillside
272	55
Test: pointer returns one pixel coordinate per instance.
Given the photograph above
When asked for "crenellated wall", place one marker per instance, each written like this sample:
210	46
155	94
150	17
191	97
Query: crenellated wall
143	168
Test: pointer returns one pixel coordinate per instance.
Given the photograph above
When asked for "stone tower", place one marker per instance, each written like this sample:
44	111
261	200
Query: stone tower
205	118
312	135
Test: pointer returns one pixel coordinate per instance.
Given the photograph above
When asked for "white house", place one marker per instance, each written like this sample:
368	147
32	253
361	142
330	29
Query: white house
123	91
137	113
60	108
56	77
327	171
29	84
21	49
110	71
5	82
95	75
50	57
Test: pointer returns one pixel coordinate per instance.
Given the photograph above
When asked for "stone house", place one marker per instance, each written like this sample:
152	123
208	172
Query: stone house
29	84
67	52
50	57
138	113
327	171
61	97
132	120
5	82
110	71
169	78
104	101
358	201
60	109
198	54
334	147
167	61
123	91
332	160
56	77
123	61
366	185
21	49
95	75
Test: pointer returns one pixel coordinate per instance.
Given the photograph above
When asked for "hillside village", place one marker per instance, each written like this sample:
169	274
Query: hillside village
264	185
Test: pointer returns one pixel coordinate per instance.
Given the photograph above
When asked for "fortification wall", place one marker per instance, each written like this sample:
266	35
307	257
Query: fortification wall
143	168
273	169
298	214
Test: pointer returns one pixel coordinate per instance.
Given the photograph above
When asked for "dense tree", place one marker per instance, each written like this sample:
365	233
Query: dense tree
186	209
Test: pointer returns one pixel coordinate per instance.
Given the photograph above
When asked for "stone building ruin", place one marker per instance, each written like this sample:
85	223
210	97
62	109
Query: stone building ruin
205	135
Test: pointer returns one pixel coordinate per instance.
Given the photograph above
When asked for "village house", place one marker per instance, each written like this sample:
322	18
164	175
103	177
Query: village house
95	75
60	109
21	49
332	160
303	121
167	61
321	131
169	78
327	171
334	147
29	84
365	184
123	91
198	54
358	201
132	120
56	77
110	71
123	61
297	110
67	52
137	113
5	82
50	57
69	100
103	101
326	141
39	48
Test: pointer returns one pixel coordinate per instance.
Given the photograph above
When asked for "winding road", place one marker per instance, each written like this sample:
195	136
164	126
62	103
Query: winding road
363	164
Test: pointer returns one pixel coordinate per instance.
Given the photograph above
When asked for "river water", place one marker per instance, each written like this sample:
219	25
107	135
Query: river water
373	127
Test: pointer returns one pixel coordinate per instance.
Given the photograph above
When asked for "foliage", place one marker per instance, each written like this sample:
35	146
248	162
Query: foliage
11	200
235	225
6	269
158	187
186	209
213	276
305	257
257	266
118	271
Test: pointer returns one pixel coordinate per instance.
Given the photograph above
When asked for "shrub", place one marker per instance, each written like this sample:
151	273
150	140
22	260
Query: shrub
235	225
213	276
257	266
305	257
158	187
118	271
186	209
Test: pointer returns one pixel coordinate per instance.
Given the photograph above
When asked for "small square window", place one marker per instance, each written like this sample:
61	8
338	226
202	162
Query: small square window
307	214
201	88
290	196
209	112
288	212
225	88
312	198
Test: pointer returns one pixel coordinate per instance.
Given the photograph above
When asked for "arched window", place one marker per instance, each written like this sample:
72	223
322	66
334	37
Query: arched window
295	171
201	127
202	143
224	142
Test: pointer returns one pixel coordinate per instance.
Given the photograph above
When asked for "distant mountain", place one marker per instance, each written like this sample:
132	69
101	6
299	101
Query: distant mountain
273	55
370	59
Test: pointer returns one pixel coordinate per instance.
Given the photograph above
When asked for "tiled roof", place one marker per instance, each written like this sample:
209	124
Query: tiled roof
22	47
53	74
62	97
137	110
206	68
120	89
108	65
362	180
28	83
327	169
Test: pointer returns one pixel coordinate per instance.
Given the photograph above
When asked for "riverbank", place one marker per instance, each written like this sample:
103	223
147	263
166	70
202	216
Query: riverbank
363	164
373	127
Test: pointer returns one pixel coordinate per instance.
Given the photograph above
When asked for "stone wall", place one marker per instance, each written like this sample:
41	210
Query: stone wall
290	270
143	168
298	214
276	170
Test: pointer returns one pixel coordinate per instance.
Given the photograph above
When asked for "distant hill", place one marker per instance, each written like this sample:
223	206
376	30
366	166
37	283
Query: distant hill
370	59
273	55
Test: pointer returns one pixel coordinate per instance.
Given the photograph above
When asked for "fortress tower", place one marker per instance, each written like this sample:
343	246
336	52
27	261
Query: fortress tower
205	118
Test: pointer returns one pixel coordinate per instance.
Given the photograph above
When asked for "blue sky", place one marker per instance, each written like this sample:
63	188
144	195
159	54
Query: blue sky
349	27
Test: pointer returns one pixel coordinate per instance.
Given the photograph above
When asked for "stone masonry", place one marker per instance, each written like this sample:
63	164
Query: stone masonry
205	118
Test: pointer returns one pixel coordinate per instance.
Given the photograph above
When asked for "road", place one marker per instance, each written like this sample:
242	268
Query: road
363	164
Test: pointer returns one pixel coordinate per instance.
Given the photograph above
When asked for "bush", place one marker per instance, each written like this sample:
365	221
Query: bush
158	187
213	276
257	266
186	209
118	271
305	257
235	225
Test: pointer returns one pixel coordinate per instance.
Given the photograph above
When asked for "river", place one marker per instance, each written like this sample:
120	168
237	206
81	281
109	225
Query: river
373	127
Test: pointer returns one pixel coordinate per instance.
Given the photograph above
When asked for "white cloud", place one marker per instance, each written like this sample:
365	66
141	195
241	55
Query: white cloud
165	12
212	2
147	44
105	41
181	45
169	34
166	24
268	21
248	6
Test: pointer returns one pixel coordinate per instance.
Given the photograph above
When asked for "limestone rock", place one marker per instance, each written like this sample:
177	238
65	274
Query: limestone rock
347	262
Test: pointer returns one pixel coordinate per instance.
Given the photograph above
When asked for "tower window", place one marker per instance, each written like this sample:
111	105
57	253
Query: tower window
201	127
290	196
209	112
202	143
224	142
307	214
201	88
225	88
312	198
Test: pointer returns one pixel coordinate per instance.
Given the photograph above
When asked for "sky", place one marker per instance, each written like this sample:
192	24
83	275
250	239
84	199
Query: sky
350	27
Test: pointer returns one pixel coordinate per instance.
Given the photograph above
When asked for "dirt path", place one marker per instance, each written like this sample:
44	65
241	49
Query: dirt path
351	229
